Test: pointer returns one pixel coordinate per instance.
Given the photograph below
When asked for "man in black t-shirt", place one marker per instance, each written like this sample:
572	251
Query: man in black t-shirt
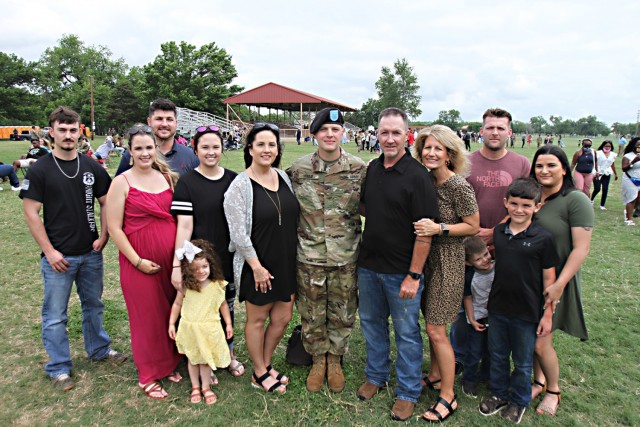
66	184
397	192
35	152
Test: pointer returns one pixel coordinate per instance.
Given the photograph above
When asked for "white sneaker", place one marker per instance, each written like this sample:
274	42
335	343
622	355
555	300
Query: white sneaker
1	188
629	222
15	188
602	208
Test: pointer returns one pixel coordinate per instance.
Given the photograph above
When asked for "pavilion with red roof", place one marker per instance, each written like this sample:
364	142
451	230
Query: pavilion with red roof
283	98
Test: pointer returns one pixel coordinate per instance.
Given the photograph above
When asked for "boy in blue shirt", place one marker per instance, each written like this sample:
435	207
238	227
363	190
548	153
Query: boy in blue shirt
525	266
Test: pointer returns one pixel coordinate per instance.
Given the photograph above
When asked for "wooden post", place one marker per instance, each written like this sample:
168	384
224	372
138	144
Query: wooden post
93	120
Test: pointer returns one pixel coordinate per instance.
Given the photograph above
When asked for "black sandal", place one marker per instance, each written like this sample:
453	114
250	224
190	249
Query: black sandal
430	384
547	410
280	377
541	385
448	406
257	383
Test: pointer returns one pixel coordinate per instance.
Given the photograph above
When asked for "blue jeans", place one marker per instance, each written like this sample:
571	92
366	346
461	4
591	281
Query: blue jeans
458	336
510	336
476	350
379	297
7	170
87	271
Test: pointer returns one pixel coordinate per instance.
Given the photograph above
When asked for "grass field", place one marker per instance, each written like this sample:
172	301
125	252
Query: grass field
600	378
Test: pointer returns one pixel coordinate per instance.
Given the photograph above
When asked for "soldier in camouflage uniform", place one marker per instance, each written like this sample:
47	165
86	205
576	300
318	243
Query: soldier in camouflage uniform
327	185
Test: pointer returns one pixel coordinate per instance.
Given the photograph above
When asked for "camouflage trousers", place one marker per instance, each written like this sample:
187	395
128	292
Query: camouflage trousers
327	302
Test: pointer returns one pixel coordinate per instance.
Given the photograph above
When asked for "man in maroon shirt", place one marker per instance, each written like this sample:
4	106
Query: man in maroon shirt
493	168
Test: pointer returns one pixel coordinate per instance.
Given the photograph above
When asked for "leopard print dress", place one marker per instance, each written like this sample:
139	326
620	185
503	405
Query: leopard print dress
444	270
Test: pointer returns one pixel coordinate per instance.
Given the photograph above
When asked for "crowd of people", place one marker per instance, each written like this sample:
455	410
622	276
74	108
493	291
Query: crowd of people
466	240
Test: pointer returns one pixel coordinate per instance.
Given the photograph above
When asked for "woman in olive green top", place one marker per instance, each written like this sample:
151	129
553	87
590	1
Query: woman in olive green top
568	215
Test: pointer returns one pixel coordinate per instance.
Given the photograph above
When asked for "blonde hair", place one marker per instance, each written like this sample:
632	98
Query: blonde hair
458	161
162	166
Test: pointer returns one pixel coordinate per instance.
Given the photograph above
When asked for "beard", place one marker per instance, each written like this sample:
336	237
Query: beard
496	148
62	145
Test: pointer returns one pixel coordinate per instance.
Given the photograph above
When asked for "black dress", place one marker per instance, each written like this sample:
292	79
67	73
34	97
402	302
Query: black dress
274	244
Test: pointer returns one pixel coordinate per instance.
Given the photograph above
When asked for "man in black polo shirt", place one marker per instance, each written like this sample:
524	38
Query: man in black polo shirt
397	191
163	119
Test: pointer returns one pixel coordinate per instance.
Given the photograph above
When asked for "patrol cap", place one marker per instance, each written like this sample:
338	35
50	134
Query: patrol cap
326	115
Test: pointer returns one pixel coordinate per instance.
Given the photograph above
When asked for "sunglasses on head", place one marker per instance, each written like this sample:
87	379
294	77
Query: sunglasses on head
139	129
211	128
262	125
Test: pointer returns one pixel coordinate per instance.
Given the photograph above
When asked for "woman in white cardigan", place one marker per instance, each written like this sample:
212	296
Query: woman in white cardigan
262	213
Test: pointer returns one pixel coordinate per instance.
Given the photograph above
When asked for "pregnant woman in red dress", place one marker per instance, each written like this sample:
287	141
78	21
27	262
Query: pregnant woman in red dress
143	229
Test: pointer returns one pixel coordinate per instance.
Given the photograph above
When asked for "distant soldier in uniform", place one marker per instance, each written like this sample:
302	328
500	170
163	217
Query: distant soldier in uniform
327	185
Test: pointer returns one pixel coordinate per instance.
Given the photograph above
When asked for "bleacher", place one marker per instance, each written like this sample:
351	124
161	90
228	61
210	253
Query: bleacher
189	120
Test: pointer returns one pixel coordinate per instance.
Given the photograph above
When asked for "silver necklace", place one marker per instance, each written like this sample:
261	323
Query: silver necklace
59	168
278	206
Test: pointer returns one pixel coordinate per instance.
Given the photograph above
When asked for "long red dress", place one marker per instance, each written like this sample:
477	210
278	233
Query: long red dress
151	230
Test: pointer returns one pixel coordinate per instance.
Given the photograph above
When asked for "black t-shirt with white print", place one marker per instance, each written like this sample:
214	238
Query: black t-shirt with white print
68	203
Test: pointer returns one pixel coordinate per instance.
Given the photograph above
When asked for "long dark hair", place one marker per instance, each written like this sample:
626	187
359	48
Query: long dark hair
251	136
631	145
567	181
605	143
199	135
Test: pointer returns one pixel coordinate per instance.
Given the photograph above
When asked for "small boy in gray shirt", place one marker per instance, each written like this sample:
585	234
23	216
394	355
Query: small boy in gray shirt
478	278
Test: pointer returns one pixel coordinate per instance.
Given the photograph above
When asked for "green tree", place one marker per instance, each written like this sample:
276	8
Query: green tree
193	78
590	125
126	105
567	126
519	127
18	104
625	128
473	126
539	124
65	72
556	124
450	118
399	88
367	115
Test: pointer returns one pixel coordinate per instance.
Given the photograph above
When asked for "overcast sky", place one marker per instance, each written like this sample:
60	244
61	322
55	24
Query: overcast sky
569	58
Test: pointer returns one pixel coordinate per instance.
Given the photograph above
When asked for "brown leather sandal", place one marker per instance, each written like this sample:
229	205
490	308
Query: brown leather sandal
209	397
196	396
153	387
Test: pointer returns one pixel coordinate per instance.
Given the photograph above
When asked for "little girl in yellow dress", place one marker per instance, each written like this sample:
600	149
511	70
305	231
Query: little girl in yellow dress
200	335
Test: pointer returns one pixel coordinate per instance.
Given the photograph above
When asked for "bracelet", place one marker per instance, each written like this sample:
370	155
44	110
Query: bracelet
139	262
176	266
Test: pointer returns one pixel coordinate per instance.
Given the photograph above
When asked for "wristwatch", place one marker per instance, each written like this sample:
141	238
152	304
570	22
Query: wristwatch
445	229
415	276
